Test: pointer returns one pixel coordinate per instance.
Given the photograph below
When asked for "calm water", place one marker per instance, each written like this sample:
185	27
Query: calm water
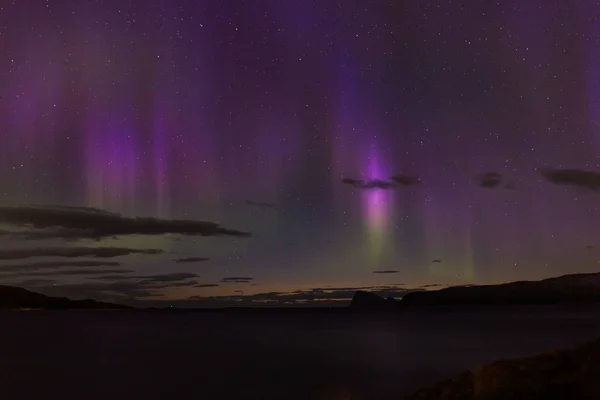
135	355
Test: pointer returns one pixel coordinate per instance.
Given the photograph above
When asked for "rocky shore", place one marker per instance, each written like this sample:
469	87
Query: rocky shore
563	374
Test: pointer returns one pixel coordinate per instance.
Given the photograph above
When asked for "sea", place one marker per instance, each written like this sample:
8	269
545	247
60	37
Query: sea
286	354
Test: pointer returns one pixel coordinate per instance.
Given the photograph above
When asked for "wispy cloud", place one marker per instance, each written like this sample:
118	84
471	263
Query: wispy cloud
191	260
576	177
57	265
405	180
122	288
489	180
394	182
72	252
92	223
236	279
64	273
372	184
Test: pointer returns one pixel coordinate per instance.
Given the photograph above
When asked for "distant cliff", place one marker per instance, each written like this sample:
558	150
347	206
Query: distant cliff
14	298
566	374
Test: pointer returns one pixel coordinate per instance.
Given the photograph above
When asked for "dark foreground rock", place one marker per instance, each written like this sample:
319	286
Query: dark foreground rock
15	298
565	374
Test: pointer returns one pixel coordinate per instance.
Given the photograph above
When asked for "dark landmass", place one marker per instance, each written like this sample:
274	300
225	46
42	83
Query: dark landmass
370	301
14	298
566	289
566	374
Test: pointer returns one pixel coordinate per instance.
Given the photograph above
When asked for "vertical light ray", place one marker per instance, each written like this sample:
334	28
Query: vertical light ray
377	207
159	162
111	164
593	73
347	155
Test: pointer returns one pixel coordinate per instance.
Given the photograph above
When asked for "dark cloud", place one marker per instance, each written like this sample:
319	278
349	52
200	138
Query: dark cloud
352	288
575	177
432	285
35	282
171	277
176	276
378	184
385	271
589	247
372	184
405	180
353	182
191	259
93	210
72	252
57	265
436	261
85	222
41	234
261	204
75	272
236	279
396	180
122	289
489	180
206	285
112	278
171	284
110	291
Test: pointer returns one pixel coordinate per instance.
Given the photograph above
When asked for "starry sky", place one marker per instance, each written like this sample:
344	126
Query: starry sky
339	144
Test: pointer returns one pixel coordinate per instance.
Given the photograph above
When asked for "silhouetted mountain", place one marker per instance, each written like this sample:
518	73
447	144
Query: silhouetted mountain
566	374
368	300
566	289
18	298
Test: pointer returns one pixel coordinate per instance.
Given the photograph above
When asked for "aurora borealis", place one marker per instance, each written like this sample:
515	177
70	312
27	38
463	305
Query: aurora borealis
250	115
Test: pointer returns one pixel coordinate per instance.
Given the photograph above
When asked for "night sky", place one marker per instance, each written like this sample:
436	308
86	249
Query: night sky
359	144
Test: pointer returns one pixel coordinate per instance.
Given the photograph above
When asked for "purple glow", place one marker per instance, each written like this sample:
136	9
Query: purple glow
377	207
111	171
186	109
159	162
